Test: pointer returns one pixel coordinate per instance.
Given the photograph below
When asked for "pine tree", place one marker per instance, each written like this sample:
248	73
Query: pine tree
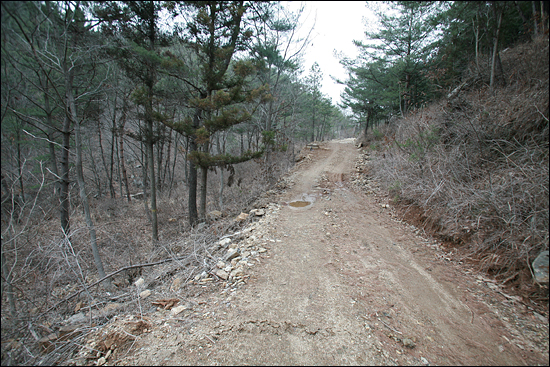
220	94
313	83
390	71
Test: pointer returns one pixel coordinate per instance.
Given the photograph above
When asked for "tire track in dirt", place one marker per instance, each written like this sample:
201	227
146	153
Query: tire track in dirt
344	284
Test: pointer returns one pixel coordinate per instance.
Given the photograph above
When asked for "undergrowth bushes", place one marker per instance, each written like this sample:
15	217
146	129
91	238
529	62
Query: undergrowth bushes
478	164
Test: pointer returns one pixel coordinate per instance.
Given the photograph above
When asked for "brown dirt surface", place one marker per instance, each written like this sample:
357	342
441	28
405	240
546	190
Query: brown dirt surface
343	282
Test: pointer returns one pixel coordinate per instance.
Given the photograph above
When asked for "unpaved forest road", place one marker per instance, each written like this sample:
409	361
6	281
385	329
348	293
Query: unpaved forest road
346	284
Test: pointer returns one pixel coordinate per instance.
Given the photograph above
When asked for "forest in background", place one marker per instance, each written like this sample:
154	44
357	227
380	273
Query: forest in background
134	132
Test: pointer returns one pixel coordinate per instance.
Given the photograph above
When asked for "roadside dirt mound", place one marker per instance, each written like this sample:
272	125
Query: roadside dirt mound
341	281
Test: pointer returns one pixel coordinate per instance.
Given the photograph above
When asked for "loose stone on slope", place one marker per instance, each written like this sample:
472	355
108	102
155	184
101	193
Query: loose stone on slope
408	343
222	274
231	254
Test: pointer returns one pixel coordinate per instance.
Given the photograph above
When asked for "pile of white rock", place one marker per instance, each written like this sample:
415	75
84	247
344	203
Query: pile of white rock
242	250
360	179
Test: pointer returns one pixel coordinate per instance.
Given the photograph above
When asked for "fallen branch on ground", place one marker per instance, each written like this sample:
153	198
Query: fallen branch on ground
109	276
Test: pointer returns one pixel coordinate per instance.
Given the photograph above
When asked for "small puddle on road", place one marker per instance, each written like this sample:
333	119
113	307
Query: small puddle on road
299	204
304	201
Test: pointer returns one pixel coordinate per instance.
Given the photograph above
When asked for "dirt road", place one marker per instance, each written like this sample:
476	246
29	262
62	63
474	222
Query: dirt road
344	282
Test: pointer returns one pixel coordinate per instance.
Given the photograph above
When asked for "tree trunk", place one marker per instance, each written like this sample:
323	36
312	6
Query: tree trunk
192	198
86	205
498	15
313	126
192	202
250	136
221	150
20	167
476	33
71	114
535	19
64	184
149	121
173	169
153	188
53	160
369	113
160	154
400	102
186	163
121	148
407	94
544	17
167	164
220	199
242	143
523	19
202	202
112	158
204	185
118	170
500	70
145	181
268	145
101	151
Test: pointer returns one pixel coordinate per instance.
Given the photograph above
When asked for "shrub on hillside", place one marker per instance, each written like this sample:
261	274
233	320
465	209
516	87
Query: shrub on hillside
478	164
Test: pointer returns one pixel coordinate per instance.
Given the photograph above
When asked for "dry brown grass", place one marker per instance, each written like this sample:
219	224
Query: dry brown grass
478	165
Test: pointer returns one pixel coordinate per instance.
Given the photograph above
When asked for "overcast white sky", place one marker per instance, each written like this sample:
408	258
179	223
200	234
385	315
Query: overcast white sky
337	24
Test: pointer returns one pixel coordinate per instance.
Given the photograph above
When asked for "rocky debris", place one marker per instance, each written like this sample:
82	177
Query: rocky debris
540	267
108	343
302	156
73	328
176	284
241	217
257	212
359	179
106	312
222	274
177	310
120	281
201	276
166	304
215	214
223	243
146	293
243	250
237	272
284	183
65	333
78	318
139	283
231	254
408	343
138	196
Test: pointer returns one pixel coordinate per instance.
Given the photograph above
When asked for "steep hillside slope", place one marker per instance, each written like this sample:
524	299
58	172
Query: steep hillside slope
473	168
